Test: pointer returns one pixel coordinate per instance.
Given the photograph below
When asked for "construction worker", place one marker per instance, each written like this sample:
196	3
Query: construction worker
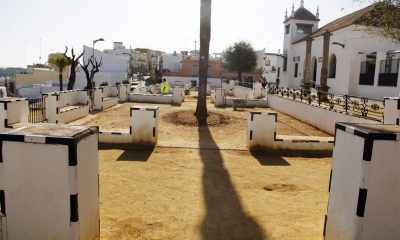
164	87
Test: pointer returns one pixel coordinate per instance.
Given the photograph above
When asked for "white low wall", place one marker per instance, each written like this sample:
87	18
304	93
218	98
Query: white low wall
66	106
321	118
261	134
242	92
392	111
12	111
49	182
250	103
143	129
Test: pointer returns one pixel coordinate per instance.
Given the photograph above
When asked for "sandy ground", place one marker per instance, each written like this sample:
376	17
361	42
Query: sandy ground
204	192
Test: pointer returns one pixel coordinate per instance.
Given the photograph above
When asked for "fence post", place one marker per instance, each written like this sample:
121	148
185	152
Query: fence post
346	103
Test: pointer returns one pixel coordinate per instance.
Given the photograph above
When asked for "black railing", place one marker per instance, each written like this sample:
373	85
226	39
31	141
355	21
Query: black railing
37	110
357	106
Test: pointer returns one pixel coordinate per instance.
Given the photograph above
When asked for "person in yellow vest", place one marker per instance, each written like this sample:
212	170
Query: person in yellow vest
164	87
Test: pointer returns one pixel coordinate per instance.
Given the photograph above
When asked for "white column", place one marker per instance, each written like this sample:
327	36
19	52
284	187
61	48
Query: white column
364	186
50	189
144	125
392	111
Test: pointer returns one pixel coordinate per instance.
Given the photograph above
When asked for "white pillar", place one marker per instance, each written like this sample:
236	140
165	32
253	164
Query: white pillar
98	99
177	96
257	90
49	190
144	125
261	130
219	97
365	184
12	111
392	111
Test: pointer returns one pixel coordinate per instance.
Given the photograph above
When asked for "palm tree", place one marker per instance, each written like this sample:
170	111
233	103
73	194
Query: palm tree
205	32
60	62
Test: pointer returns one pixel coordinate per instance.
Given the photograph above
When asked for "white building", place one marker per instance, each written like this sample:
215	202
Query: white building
358	60
114	68
272	67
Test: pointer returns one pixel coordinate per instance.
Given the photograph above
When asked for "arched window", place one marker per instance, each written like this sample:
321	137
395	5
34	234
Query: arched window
332	66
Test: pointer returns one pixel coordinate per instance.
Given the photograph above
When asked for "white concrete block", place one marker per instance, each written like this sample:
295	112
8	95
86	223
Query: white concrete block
392	111
364	186
261	134
257	90
220	96
98	99
144	125
50	190
123	91
178	94
66	106
12	111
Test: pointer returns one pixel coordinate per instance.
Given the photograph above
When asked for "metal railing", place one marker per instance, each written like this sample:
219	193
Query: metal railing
358	106
37	110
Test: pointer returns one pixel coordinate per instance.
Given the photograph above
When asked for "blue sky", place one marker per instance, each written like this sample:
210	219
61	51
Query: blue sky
31	29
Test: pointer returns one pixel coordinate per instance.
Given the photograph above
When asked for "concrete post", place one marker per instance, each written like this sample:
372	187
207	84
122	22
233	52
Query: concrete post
50	190
391	113
144	125
364	186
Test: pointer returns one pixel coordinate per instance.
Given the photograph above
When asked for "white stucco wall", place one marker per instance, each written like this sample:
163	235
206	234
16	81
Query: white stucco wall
318	117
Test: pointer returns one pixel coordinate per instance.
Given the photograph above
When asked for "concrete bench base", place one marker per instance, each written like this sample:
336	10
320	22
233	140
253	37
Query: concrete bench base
72	113
109	102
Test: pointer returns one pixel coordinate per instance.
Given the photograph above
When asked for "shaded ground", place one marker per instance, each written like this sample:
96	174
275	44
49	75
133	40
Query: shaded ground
203	192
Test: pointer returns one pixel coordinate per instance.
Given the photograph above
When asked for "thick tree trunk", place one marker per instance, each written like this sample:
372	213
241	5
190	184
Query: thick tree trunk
240	76
205	32
60	77
71	81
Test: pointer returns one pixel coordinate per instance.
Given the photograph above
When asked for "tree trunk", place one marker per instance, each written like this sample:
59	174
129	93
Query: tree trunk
205	32
60	77
71	81
240	76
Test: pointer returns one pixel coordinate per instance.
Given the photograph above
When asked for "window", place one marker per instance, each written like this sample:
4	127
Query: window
195	70
367	72
287	29
388	73
332	66
296	70
304	28
267	62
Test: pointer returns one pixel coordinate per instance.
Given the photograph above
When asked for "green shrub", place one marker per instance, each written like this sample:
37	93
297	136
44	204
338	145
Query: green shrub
103	84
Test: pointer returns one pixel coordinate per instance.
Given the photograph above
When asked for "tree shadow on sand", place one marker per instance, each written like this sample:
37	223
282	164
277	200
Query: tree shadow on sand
225	217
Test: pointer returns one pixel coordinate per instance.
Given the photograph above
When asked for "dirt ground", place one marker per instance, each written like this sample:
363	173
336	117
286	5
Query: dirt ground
203	184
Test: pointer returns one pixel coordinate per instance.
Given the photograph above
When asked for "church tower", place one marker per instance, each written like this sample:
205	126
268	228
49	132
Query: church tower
298	25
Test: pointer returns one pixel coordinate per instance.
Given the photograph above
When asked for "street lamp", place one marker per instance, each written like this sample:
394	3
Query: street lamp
95	41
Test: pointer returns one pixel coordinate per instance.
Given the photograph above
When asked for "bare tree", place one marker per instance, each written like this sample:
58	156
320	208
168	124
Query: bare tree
91	68
74	64
205	35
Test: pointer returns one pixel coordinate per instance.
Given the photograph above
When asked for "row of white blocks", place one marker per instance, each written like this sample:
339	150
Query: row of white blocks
12	111
50	190
143	128
261	134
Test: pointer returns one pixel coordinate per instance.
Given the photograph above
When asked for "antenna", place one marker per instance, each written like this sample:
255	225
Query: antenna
40	51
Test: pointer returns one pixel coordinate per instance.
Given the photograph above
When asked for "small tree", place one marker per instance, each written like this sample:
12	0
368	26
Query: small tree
91	68
60	62
74	64
240	57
